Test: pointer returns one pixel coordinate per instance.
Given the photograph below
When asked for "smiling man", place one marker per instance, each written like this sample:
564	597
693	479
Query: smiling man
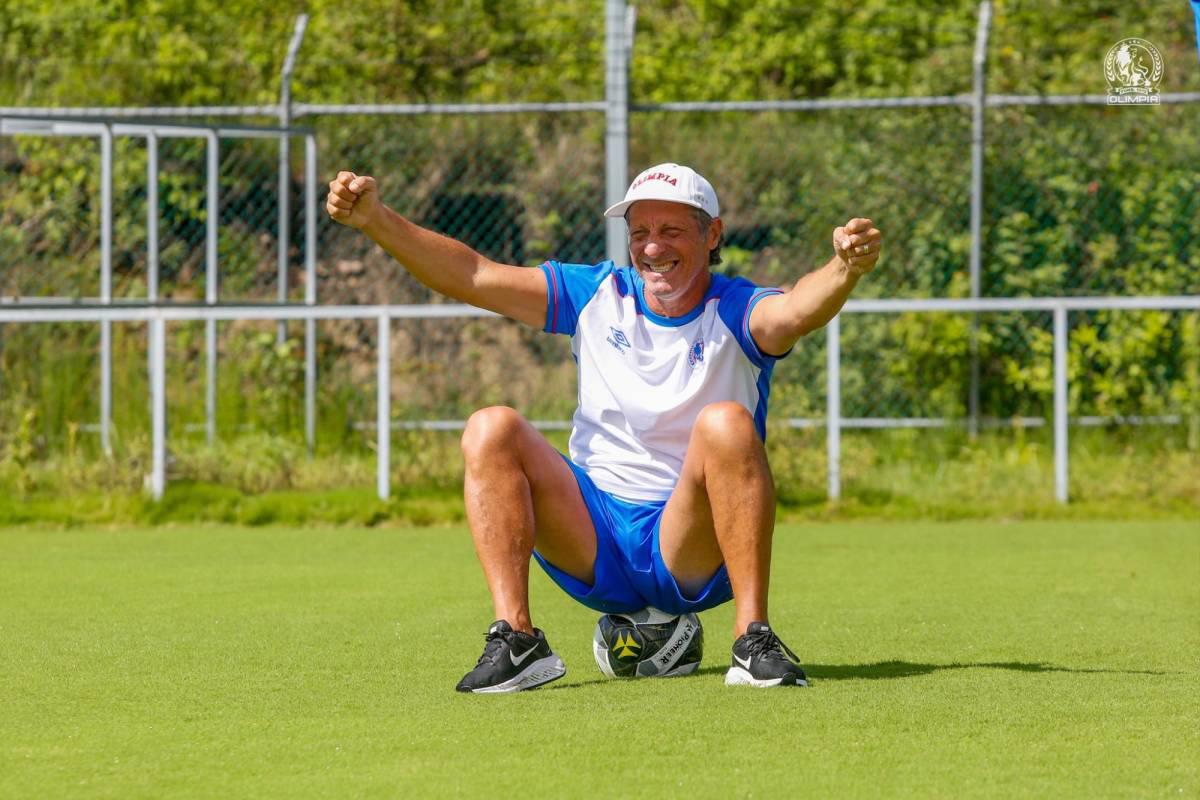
666	499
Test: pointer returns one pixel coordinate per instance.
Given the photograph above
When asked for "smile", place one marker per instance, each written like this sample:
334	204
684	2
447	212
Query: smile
660	269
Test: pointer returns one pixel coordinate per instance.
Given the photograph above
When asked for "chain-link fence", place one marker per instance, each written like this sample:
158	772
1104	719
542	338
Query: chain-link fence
1077	199
50	217
1105	210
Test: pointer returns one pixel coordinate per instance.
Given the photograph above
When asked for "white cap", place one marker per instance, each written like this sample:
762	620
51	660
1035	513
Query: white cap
672	182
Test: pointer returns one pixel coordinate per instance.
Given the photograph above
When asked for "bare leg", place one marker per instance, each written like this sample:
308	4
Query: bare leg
723	511
519	492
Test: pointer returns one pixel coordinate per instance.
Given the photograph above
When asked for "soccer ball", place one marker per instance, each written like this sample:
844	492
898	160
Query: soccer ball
648	644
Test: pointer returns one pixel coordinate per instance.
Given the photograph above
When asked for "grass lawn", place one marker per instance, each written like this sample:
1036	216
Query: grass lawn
949	659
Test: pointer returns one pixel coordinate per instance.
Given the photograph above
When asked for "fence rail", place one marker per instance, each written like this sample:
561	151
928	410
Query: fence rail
104	130
159	315
411	109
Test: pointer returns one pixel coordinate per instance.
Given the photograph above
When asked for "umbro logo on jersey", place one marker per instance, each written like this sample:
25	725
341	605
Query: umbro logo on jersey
618	340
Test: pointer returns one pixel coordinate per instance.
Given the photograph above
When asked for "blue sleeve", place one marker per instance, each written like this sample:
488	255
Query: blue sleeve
734	307
1196	8
569	287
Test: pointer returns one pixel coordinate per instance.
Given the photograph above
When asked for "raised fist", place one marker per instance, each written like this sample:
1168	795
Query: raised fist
353	199
857	244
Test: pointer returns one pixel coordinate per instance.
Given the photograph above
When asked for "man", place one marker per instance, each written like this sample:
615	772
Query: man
667	499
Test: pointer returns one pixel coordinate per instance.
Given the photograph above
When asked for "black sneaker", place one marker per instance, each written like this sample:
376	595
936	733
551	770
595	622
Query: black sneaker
759	660
512	661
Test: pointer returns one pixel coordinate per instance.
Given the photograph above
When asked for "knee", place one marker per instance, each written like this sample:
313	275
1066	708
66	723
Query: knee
727	424
489	432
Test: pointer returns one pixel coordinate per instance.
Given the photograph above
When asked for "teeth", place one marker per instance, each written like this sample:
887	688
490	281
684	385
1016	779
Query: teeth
661	268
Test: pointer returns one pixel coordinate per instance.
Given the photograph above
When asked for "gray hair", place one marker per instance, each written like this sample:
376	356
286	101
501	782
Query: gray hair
705	221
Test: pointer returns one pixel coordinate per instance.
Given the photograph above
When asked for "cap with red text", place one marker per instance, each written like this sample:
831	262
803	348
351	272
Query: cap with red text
674	183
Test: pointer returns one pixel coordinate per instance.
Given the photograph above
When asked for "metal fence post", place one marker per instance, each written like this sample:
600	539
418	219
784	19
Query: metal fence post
977	119
383	412
158	406
210	289
106	235
833	405
616	121
310	291
151	247
152	217
285	234
285	146
1060	404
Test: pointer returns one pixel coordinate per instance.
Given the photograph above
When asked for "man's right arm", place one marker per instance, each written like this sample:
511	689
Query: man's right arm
443	264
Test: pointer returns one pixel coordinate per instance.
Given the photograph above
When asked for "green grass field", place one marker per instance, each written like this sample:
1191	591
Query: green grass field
1042	659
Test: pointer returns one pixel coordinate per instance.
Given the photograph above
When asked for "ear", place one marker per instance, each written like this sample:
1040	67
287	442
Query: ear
714	232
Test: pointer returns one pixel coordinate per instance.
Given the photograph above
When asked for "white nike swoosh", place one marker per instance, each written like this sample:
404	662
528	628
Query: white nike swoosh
518	660
745	664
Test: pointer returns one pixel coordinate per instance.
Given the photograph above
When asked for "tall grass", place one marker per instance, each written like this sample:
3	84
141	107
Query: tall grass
259	469
907	474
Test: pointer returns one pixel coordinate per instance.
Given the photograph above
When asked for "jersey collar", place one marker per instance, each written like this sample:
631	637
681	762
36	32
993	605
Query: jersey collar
643	308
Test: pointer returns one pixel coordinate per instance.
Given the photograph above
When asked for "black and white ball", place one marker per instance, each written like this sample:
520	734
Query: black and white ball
648	644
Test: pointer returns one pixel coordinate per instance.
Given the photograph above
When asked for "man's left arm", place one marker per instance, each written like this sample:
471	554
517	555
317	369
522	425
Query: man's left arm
779	320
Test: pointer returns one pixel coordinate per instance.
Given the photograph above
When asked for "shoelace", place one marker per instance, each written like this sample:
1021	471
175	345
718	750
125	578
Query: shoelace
769	646
494	647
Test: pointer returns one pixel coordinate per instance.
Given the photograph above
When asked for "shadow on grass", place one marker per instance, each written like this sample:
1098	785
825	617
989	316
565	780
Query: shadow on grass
907	669
898	669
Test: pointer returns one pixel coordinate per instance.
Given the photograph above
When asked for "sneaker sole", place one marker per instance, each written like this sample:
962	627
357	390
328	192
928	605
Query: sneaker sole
540	672
736	676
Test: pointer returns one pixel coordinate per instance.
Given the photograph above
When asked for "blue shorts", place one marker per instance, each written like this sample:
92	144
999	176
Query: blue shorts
629	570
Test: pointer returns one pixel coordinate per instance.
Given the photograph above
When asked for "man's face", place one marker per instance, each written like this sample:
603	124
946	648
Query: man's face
670	252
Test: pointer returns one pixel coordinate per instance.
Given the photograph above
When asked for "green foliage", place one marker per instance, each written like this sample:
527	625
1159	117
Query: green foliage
19	454
935	361
166	52
171	52
1078	200
273	377
778	49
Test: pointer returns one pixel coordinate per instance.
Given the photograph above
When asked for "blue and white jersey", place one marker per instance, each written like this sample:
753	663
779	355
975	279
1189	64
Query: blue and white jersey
643	378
